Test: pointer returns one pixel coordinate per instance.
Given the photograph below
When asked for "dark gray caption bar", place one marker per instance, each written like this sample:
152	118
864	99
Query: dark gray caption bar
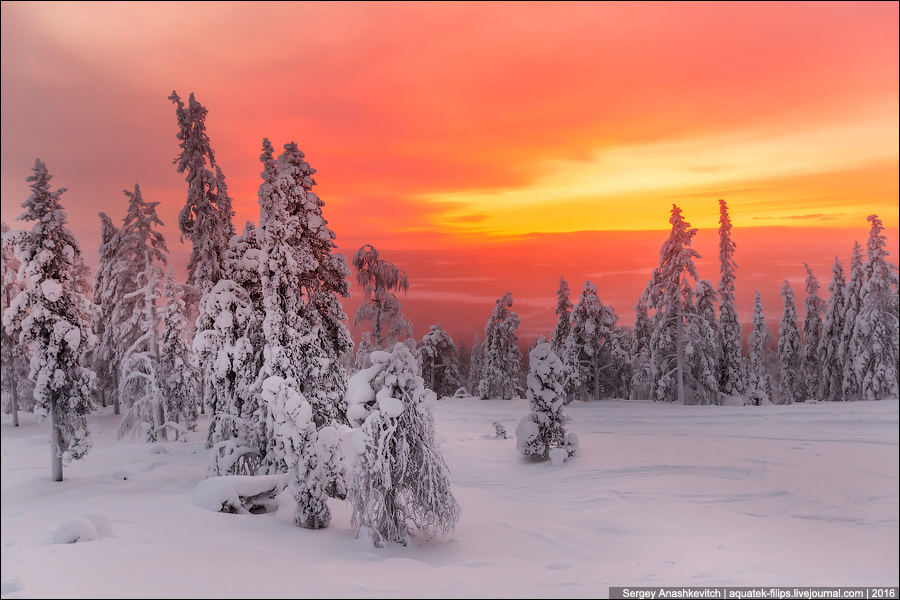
652	593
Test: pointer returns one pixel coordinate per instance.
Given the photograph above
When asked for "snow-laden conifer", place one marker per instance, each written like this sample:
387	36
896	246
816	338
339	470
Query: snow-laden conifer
830	344
106	355
759	385
543	431
853	303
14	354
52	315
179	375
701	350
563	311
381	308
476	365
399	478
363	351
502	357
464	363
594	350
640	353
437	359
812	336
670	294
874	345
729	331
789	350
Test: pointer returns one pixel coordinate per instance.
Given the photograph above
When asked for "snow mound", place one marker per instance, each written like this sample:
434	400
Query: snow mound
735	400
240	494
102	522
557	456
76	530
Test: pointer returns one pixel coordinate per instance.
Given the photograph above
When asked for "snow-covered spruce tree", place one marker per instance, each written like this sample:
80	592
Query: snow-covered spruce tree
729	331
106	355
144	251
789	350
364	351
758	379
55	318
670	294
201	220
476	365
502	356
292	332
830	344
874	345
379	279
812	336
542	433
14	354
640	353
701	351
564	312
179	375
593	348
399	478
437	359
853	301
463	362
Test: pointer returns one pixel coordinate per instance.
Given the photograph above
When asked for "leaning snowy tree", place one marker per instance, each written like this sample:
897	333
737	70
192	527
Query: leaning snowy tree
759	384
542	433
399	478
502	357
379	279
812	336
437	357
874	345
830	344
564	311
789	351
55	317
729	331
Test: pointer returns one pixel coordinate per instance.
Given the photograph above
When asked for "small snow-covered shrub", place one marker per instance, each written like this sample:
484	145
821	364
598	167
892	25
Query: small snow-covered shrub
75	530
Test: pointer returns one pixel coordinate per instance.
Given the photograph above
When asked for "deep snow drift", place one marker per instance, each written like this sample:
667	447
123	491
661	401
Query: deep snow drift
655	495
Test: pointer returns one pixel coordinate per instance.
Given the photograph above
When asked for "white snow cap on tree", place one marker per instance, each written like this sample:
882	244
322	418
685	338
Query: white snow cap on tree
502	357
729	330
399	478
789	350
437	358
543	430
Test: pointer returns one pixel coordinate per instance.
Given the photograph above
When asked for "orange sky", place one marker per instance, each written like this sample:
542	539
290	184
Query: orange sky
457	131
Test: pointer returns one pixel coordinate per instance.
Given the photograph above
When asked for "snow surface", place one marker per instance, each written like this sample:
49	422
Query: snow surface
805	495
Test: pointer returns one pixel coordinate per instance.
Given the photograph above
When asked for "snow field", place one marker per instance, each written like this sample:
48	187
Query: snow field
805	494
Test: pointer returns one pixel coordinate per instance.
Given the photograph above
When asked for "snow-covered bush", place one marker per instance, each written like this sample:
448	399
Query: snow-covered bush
399	478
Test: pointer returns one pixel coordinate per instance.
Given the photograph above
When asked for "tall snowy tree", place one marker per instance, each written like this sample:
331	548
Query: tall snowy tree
53	316
399	478
437	359
729	331
476	365
830	344
543	430
106	356
594	351
13	353
701	352
202	220
759	384
379	279
563	311
853	303
874	345
812	336
640	353
789	350
502	356
144	251
670	294
179	375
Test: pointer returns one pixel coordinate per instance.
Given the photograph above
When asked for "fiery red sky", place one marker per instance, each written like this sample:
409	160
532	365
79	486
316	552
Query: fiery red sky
483	147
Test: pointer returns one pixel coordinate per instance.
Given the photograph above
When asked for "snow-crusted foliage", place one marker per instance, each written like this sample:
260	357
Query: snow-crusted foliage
13	355
543	429
204	219
594	351
464	363
701	350
670	294
379	279
236	427
502	357
812	336
830	344
640	353
142	251
55	318
853	302
759	382
437	359
399	478
563	311
874	345
476	365
363	351
107	355
179	375
789	351
729	331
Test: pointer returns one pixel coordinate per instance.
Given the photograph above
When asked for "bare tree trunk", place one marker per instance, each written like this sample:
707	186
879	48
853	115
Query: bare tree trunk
55	453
